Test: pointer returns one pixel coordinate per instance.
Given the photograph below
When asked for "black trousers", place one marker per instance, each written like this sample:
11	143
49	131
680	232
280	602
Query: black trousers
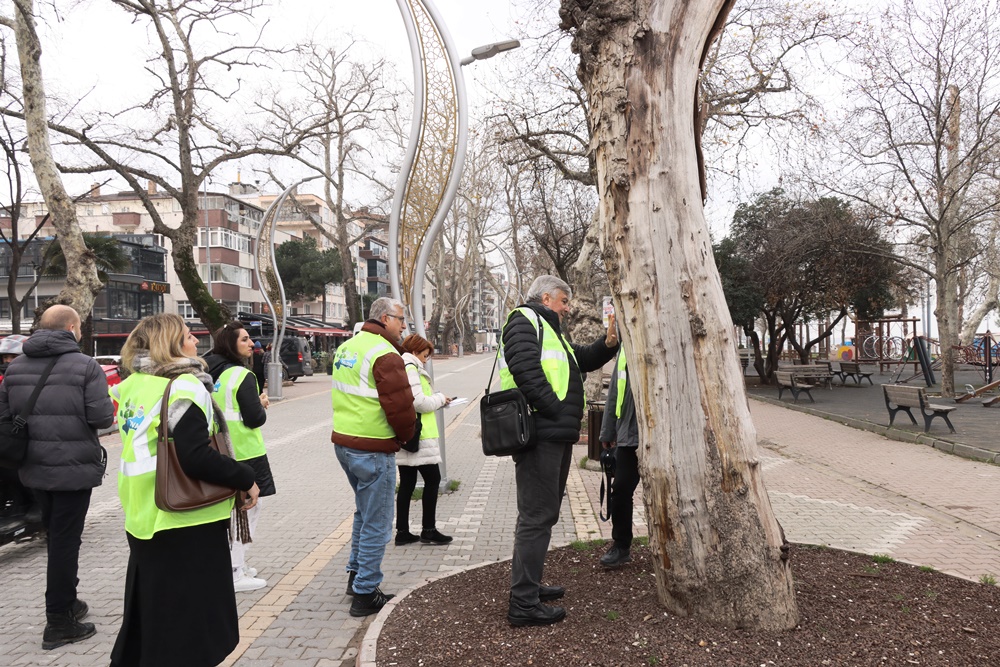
63	515
407	483
622	494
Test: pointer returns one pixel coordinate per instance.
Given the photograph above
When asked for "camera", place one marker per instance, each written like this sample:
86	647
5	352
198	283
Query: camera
608	461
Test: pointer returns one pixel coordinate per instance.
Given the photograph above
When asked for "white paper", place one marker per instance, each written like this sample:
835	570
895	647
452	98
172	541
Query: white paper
457	401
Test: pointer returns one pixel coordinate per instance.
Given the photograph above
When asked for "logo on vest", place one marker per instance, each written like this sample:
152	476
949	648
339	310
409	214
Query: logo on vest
346	359
129	417
218	386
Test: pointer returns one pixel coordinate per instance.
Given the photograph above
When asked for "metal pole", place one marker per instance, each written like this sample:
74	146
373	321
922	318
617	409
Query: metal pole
208	237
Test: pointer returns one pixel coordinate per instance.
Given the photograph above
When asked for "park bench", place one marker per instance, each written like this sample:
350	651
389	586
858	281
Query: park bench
853	370
814	374
905	398
788	380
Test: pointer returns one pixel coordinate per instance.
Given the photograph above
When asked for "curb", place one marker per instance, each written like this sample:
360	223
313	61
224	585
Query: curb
369	645
941	444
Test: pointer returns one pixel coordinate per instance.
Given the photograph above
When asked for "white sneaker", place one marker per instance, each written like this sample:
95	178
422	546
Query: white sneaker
250	572
245	583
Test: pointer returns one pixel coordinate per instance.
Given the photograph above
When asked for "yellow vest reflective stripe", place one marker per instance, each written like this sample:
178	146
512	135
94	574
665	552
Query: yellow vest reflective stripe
622	379
428	420
356	408
554	358
248	443
139	399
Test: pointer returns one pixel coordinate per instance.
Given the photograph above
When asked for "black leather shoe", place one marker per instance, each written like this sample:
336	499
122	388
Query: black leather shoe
540	614
616	557
432	536
405	538
366	604
350	582
546	593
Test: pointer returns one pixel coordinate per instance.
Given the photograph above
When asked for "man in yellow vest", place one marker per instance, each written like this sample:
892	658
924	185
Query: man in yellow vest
373	415
537	359
620	430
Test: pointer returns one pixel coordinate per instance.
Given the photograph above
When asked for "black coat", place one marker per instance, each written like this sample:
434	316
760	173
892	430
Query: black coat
555	421
253	414
64	453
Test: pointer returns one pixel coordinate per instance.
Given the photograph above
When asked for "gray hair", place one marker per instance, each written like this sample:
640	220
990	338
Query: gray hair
385	306
547	285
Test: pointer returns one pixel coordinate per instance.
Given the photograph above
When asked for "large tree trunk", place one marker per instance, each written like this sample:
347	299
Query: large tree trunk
946	312
718	548
82	282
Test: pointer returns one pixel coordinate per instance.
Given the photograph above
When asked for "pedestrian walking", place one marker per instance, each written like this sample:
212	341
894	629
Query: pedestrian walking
417	350
372	415
245	410
180	608
64	460
620	430
536	358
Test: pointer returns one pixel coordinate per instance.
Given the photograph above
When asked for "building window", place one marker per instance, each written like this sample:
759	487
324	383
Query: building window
185	310
218	237
227	273
244	307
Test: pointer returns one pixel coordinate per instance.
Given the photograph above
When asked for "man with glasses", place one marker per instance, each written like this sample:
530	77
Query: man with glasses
373	415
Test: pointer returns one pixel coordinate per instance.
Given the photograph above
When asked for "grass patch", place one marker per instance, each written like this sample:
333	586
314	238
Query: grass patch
586	545
641	541
870	569
926	568
988	579
883	559
612	615
583	461
417	494
454	484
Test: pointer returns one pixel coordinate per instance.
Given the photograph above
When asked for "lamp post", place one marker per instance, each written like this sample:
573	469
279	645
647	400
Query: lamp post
435	156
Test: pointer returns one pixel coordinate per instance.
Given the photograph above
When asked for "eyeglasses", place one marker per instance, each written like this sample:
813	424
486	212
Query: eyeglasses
398	317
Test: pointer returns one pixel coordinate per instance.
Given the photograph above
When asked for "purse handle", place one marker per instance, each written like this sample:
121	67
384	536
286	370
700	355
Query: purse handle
161	429
496	360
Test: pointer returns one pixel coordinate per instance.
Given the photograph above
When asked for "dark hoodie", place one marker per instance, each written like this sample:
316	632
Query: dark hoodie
64	453
252	413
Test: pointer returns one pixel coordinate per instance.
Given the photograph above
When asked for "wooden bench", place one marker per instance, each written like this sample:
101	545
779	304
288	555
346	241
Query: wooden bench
787	380
853	369
904	398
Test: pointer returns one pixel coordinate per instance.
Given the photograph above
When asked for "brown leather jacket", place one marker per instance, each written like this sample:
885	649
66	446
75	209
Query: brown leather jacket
393	394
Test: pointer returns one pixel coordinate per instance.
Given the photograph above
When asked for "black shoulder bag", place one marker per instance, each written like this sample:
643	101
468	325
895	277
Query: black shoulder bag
508	425
14	436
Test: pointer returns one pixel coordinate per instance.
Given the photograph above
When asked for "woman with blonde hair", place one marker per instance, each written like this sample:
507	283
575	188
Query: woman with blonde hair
180	607
425	460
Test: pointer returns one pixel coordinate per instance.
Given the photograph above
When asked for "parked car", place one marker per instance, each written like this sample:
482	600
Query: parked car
296	357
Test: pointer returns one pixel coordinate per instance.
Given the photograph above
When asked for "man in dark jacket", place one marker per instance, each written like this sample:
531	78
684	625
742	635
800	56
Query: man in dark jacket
553	385
620	429
65	460
372	415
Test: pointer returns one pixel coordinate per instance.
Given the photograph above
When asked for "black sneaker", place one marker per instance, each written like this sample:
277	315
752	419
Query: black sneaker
405	538
62	629
616	557
366	604
432	536
540	614
79	609
351	574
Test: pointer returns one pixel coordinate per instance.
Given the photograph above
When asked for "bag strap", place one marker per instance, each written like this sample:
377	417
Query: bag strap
607	477
22	419
162	432
496	360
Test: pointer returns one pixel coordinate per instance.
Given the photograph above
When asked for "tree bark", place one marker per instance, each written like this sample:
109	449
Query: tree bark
82	282
718	547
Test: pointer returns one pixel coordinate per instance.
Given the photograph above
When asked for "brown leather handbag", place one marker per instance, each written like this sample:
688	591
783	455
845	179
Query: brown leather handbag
175	491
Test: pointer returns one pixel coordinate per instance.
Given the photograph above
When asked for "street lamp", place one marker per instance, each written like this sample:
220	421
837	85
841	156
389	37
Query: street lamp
489	50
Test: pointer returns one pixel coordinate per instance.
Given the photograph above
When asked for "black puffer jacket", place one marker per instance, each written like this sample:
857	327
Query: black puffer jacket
556	421
253	413
64	453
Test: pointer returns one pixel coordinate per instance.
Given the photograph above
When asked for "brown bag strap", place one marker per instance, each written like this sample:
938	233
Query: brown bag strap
162	430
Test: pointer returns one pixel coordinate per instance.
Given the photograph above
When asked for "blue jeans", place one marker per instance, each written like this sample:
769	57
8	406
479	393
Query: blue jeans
373	477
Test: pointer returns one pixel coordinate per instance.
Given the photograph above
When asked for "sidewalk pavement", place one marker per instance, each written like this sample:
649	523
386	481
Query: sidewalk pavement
828	483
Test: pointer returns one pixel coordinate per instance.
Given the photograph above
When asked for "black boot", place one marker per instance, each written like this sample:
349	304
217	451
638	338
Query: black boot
616	557
540	614
63	628
405	538
366	604
79	609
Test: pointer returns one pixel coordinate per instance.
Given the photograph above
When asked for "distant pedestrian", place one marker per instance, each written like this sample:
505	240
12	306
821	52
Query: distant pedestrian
372	415
245	409
258	366
620	429
180	608
537	359
417	350
65	460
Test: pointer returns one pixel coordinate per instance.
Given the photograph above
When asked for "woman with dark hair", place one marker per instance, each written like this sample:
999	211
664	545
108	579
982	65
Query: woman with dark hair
425	460
179	603
236	392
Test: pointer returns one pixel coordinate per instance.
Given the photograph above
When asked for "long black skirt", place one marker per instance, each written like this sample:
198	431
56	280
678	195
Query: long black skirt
180	608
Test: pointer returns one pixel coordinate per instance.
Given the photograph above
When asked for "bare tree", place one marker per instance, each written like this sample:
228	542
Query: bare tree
718	545
82	282
921	145
349	101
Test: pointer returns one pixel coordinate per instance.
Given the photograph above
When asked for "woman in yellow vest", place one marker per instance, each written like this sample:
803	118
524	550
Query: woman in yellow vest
180	608
244	408
425	460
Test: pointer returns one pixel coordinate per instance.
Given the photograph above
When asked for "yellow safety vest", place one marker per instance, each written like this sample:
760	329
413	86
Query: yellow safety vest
139	400
555	360
428	420
622	379
356	408
248	443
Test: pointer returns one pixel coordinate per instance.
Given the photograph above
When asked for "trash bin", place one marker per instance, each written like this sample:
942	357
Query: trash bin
595	415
